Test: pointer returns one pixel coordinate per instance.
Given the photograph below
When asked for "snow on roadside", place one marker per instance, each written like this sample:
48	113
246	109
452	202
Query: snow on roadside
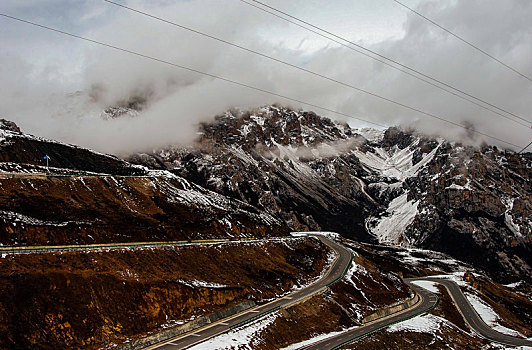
428	285
313	340
332	235
489	316
245	337
457	277
427	323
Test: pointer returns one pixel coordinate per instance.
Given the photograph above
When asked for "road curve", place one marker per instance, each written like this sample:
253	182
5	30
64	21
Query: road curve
427	302
472	318
335	272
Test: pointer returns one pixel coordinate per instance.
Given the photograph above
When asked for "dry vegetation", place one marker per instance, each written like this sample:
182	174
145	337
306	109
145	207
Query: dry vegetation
86	210
88	299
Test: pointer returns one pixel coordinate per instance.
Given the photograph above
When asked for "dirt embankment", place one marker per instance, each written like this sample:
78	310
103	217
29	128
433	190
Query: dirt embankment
90	299
87	210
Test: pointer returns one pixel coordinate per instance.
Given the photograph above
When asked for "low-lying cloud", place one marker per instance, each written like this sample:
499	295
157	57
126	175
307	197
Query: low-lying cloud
38	93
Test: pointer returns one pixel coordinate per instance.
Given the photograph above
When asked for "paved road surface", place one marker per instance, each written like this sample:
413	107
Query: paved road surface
427	302
472	318
335	272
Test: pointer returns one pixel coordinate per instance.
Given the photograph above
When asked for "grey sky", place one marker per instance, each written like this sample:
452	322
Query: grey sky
38	68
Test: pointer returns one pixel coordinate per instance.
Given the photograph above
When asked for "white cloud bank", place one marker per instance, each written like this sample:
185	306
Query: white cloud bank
39	69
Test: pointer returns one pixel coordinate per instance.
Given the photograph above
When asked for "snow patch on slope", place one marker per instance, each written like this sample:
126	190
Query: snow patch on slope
314	339
247	337
488	315
400	214
395	163
423	324
370	134
201	284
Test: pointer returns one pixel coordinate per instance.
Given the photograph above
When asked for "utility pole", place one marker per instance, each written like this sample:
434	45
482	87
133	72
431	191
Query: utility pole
47	159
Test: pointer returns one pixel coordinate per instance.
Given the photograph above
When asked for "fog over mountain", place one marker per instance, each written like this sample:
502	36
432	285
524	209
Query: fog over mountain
41	71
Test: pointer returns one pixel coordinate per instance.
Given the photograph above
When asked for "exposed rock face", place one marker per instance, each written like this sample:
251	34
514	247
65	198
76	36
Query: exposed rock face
117	112
286	163
393	186
8	125
477	206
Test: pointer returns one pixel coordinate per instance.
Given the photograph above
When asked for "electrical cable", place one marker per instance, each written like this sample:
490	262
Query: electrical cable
236	82
464	40
389	100
524	148
380	55
286	63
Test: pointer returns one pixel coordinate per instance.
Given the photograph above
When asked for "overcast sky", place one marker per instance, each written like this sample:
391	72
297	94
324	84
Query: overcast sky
39	70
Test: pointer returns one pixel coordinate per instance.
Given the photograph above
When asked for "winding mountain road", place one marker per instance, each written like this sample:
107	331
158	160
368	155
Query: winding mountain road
336	271
427	301
471	317
340	265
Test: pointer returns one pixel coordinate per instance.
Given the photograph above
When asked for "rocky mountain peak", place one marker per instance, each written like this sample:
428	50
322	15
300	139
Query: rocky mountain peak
272	125
396	136
9	126
394	186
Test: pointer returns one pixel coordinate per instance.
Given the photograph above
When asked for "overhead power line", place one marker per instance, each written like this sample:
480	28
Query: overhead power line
379	55
521	151
356	88
387	64
464	40
234	82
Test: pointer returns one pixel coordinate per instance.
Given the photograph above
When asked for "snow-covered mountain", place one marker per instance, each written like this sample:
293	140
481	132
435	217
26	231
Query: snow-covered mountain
392	186
261	173
302	171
